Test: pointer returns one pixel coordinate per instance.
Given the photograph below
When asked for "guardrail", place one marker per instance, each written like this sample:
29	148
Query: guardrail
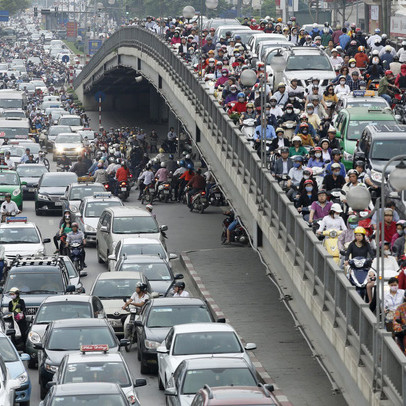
352	317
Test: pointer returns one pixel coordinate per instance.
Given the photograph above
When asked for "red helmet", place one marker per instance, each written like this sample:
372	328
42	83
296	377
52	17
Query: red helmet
317	149
308	181
388	73
303	125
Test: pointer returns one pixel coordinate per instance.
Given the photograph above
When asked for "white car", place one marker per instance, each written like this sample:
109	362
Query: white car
198	340
7	386
74	122
19	237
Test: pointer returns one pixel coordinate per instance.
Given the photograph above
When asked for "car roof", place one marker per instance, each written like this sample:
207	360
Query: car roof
98	356
142	259
18	225
68	298
69	115
125	211
239	395
88	199
29	165
140	240
120	275
177	301
80	184
36	268
60	174
306	50
79	323
196	327
381	130
85	389
370	112
218	362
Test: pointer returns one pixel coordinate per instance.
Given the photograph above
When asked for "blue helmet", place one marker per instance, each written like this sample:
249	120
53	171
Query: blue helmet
190	167
241	94
181	162
170	156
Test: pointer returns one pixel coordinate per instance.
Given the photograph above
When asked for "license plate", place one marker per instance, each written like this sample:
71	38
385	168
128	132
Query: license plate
166	192
115	323
123	189
217	195
31	189
58	203
203	199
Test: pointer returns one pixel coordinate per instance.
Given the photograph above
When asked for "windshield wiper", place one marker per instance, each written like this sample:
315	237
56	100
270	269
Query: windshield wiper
60	349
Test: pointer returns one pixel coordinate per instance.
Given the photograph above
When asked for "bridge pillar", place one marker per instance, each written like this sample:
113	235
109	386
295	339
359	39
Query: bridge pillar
158	109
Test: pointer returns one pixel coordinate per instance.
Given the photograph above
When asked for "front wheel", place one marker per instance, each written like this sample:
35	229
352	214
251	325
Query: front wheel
130	337
77	265
46	163
26	403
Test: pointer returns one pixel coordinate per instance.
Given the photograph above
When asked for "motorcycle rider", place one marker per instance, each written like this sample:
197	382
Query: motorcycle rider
359	247
64	161
295	175
8	208
179	290
320	208
333	220
195	185
137	299
77	237
145	179
171	164
387	88
392	300
79	167
249	113
347	236
280	141
100	175
122	175
336	155
283	164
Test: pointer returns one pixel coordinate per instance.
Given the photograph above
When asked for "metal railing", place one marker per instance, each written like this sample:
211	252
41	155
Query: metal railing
376	351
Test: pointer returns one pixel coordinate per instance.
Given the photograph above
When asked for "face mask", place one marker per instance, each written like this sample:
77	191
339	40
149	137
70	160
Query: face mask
233	91
318	155
336	173
310	111
306	177
386	252
273	104
211	64
224	74
353	226
336	215
309	188
268	112
304	131
289	111
342	82
400	232
296	164
394	288
352	65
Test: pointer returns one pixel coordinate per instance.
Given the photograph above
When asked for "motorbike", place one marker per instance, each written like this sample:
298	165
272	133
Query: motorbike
130	333
237	235
149	194
330	243
165	192
289	128
248	128
123	190
335	195
63	168
4	216
76	253
358	273
400	107
283	182
199	202
216	197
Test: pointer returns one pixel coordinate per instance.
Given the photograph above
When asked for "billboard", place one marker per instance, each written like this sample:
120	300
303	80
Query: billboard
94	45
398	26
72	29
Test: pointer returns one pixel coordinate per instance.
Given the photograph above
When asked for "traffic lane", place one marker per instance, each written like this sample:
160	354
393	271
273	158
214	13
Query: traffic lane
148	395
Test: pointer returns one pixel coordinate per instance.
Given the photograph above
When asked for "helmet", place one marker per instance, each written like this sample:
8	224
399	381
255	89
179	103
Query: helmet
190	167
335	151
303	115
297	158
241	94
401	223
353	219
149	207
180	285
14	290
296	138
317	149
325	140
141	286
118	161
388	73
8	195
352	60
360	163
360	230
284	149
302	125
361	48
250	105
170	156
377	30
321	191
375	52
336	207
352	172
163	165
335	165
279	130
75	224
281	84
307	182
181	162
308	171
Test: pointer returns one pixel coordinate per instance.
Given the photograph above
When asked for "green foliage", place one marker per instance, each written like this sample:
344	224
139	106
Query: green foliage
13	6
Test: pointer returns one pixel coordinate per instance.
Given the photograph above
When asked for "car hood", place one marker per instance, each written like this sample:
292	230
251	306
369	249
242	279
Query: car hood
55	357
52	190
66	145
306	75
186	400
112	306
157	334
22	249
15	368
30	180
160	286
378	165
30	300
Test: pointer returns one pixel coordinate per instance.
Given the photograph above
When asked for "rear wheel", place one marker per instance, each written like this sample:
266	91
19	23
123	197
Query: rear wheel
32	363
144	368
160	384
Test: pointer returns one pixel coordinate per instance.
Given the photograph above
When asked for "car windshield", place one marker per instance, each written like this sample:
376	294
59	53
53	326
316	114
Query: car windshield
68	138
34	147
89	400
11	103
169	316
54	131
95	209
383	150
18	235
308	62
14	151
217	377
13	113
71	338
62	310
113	372
70	121
57	181
356	127
135	225
13	131
33	282
153	272
114	288
377	102
7	351
143	249
9	178
28	171
210	342
79	192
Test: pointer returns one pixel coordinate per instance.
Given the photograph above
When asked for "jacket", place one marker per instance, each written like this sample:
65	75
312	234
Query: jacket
278	168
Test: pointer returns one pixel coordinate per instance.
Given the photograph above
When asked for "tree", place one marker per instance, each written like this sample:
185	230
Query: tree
13	6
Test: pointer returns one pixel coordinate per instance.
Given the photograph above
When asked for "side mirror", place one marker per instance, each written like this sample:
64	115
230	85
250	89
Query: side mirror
70	288
112	257
24	183
338	134
140	382
38	346
125	299
50	384
1	289
162	350
46	240
163	228
10	332
250	346
179	276
171	392
25	357
221	320
64	198
138	323
124	342
103	229
269	387
173	256
82	274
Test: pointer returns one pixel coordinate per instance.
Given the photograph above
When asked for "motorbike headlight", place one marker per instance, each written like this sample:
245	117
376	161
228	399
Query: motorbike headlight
89	229
23	378
151	345
16	192
376	176
347	156
51	368
41	196
34	337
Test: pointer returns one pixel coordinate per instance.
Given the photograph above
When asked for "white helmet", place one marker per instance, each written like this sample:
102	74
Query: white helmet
336	208
296	138
163	164
187	156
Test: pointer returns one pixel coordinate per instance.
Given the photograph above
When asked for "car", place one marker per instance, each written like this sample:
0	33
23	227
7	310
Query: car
309	27
216	22
51	188
53	131
74	122
69	144
111	288
157	270
90	210
8	386
245	35
56	308
21	238
35	282
377	145
87	132
77	191
195	340
138	246
15	366
192	374
10	183
264	42
257	38
62	337
304	63
29	175
222	29
158	316
116	223
236	395
362	98
351	122
55	113
14	129
92	365
14	114
99	393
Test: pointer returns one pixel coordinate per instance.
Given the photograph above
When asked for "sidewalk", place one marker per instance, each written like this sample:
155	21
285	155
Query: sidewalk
234	279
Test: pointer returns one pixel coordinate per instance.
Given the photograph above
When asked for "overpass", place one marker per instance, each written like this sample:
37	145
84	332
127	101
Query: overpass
366	363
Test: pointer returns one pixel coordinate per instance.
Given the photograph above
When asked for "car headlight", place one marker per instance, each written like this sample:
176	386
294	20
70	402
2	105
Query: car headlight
41	251
23	378
41	196
376	176
79	149
60	149
51	368
89	229
73	209
34	337
151	345
347	156
16	192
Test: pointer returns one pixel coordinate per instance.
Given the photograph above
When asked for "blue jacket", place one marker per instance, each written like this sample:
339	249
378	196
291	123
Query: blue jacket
344	39
269	135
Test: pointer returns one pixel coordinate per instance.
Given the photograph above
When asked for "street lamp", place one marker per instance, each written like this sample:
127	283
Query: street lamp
188	12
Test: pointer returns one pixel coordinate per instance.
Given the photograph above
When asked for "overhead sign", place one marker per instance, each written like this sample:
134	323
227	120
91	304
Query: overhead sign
65	58
4	15
94	45
72	29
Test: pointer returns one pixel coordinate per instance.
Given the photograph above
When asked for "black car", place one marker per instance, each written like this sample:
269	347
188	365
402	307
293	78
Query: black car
51	188
30	174
67	336
99	393
156	319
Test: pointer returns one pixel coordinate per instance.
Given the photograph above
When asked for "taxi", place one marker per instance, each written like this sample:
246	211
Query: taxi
20	237
89	212
95	363
76	191
362	98
351	122
10	183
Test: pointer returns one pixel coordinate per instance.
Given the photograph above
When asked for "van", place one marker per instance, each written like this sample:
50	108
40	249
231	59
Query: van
117	223
12	99
14	129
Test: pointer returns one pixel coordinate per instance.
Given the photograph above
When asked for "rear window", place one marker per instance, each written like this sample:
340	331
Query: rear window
135	225
169	316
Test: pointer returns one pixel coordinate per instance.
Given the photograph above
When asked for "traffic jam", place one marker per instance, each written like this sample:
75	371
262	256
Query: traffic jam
322	107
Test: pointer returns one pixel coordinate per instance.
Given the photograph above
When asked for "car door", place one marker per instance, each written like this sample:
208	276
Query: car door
98	309
163	358
102	235
113	262
108	235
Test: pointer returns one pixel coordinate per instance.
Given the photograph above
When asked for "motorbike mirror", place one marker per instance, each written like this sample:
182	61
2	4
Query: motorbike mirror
163	228
125	299
179	276
173	256
49	385
82	274
46	240
10	332
24	183
70	289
